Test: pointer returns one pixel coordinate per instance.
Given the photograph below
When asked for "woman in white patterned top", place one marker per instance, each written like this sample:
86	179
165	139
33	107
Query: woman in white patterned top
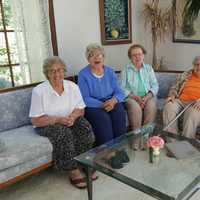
57	111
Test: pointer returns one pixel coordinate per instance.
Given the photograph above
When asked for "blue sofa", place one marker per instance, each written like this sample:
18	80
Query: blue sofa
24	152
165	80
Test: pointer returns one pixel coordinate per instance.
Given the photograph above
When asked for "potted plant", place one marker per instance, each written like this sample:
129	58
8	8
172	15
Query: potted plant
160	21
190	13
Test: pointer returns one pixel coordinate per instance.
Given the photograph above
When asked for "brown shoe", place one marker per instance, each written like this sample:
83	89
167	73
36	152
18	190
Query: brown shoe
77	179
80	183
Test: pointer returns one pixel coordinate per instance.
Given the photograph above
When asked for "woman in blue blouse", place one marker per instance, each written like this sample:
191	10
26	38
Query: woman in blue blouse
102	95
140	86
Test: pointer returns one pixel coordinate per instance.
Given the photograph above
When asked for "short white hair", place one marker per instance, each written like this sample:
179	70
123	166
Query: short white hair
195	59
49	62
91	48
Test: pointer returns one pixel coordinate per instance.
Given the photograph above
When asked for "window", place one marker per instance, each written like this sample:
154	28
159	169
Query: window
10	70
17	66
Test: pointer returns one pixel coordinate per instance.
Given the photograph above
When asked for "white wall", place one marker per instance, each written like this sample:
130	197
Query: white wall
177	56
77	24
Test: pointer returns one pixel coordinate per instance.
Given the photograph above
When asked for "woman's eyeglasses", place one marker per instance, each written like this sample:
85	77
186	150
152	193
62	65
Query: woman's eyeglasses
53	71
96	55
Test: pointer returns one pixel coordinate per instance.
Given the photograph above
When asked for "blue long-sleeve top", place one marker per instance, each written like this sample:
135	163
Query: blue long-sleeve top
97	90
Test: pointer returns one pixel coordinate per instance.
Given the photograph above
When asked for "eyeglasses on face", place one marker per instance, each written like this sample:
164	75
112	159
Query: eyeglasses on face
59	70
96	55
137	55
197	64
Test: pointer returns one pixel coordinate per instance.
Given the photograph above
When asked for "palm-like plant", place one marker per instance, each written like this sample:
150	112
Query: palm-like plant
160	21
190	13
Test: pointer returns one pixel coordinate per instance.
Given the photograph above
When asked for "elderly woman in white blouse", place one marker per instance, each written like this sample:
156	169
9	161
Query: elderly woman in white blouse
57	111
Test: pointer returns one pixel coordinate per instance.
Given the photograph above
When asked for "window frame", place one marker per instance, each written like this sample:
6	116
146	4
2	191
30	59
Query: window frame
5	32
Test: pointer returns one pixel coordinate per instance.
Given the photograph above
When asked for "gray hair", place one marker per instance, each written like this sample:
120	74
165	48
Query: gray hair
91	48
49	62
195	59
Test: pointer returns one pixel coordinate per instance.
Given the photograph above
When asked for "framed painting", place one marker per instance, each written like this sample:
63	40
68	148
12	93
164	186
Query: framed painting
188	28
115	21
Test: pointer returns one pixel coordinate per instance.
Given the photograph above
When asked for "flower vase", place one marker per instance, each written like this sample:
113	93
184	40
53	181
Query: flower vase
156	155
156	151
150	154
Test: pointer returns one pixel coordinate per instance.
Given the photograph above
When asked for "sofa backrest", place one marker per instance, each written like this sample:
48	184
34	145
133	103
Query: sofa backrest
15	105
165	81
14	108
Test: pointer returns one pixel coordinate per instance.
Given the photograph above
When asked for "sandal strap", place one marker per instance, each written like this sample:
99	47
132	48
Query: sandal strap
77	181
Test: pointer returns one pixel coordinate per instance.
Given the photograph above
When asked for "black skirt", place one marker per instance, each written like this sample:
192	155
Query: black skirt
68	142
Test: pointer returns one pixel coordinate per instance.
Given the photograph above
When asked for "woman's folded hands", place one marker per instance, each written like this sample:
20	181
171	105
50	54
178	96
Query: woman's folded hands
109	104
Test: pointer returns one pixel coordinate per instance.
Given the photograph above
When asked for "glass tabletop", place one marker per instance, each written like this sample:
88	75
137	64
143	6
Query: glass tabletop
167	178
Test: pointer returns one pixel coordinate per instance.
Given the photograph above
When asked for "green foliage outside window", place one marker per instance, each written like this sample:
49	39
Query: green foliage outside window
5	76
8	23
7	13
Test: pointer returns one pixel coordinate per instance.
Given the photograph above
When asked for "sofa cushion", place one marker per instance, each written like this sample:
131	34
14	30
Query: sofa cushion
14	109
20	169
165	81
160	103
2	145
22	145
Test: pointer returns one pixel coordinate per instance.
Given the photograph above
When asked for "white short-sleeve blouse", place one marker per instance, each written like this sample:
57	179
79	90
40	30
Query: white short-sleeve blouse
46	101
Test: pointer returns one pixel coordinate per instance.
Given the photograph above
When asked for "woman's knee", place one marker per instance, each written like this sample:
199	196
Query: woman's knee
168	108
83	130
192	114
172	107
152	104
133	106
150	110
119	109
101	124
82	123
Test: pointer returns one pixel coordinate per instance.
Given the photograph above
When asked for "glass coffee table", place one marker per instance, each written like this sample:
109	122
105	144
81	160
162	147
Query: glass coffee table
168	179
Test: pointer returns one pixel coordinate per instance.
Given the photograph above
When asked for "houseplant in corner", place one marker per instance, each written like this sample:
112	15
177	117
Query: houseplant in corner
160	21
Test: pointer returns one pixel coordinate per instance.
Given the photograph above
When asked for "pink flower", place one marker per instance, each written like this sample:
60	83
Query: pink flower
155	141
